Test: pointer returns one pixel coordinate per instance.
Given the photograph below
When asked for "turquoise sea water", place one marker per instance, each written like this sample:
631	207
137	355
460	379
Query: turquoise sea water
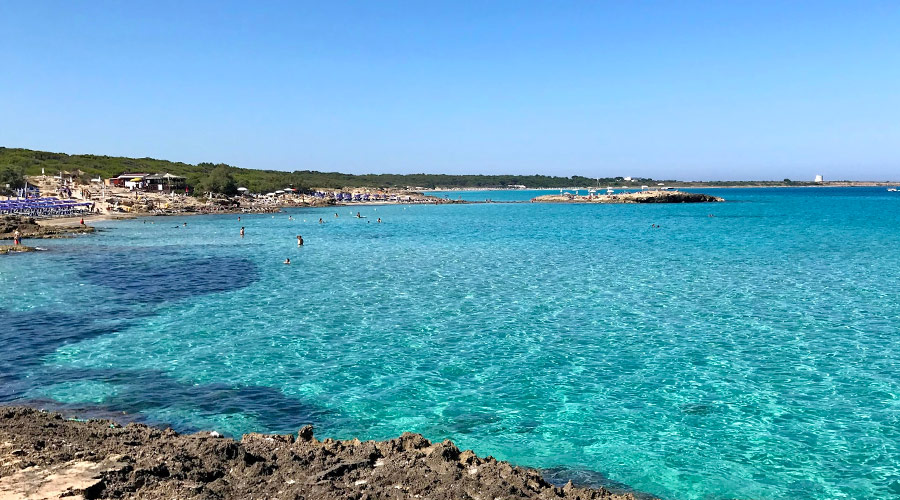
753	354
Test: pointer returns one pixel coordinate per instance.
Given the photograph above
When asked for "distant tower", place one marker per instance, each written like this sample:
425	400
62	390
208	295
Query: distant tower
819	179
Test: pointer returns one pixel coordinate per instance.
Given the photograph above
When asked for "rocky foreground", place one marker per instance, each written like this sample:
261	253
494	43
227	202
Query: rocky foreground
638	197
43	455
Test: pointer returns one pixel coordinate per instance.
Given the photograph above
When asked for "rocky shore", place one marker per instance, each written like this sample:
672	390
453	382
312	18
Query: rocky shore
7	249
43	455
30	228
638	197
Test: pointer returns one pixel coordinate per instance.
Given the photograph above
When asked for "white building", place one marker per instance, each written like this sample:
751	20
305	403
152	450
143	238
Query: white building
820	179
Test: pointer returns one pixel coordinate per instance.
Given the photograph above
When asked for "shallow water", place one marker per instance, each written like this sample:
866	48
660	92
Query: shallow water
752	354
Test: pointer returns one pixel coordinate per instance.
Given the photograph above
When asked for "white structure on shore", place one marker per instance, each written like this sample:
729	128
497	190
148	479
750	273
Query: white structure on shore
820	179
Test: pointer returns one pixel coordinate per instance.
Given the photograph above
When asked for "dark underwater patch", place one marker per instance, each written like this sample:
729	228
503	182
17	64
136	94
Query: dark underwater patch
586	478
143	391
155	275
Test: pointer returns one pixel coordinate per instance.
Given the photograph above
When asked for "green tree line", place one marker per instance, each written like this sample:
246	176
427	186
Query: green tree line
220	177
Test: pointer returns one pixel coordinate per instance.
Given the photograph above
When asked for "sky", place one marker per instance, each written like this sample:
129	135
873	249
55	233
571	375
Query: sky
672	90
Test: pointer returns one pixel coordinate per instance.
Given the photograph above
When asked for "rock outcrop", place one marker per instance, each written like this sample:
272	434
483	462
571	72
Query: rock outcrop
43	455
638	197
29	228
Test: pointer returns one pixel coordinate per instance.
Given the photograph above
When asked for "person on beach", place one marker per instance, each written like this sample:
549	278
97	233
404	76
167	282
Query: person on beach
242	231
299	240
82	221
287	261
17	237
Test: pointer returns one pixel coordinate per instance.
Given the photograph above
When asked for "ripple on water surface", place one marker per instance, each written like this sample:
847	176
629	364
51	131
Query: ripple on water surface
751	354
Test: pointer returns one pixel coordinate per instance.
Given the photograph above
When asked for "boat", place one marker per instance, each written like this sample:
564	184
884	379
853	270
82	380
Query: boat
893	190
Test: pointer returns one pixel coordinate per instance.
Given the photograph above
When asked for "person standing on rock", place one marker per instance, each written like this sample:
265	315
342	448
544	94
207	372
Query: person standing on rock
17	237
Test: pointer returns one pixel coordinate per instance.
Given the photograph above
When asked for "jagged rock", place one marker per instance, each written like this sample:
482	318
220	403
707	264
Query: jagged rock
98	460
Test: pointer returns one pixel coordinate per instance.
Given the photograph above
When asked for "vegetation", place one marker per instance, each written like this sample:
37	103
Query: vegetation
226	178
223	178
11	178
219	180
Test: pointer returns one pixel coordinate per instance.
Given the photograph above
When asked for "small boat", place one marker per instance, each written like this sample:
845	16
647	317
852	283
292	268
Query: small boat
893	190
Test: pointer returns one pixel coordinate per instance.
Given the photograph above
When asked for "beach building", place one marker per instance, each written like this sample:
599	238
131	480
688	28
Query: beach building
164	183
820	179
128	180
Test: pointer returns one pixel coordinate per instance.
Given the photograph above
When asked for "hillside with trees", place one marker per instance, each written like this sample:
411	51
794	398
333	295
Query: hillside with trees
223	178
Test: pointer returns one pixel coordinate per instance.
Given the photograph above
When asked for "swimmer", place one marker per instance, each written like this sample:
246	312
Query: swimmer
379	220
358	216
321	221
336	215
239	218
287	261
242	231
299	240
290	217
185	224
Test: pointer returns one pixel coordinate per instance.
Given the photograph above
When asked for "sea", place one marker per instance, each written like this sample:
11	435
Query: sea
736	350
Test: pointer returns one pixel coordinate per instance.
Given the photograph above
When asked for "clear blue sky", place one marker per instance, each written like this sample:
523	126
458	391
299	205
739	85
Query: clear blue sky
688	90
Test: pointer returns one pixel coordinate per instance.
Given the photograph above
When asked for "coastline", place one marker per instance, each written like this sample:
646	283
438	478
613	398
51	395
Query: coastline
46	455
682	185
